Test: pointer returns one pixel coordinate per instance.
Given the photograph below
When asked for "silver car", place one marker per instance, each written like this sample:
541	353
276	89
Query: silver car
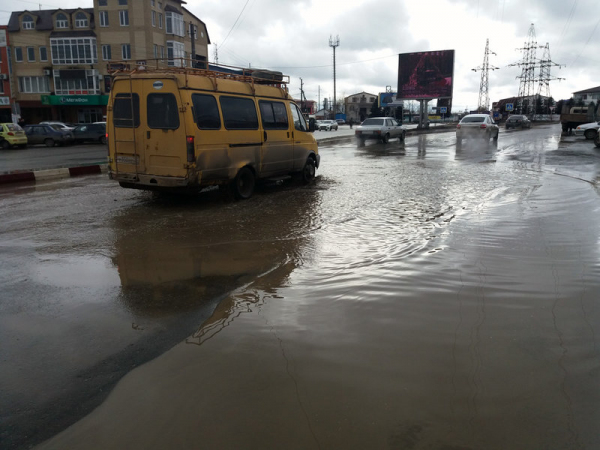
477	126
380	128
589	130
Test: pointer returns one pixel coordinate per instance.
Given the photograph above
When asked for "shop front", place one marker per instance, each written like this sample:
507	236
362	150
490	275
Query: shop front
5	110
77	108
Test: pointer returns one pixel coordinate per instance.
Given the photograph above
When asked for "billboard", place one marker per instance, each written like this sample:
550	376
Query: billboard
425	75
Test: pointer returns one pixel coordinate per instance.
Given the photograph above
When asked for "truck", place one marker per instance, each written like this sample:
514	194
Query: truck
573	116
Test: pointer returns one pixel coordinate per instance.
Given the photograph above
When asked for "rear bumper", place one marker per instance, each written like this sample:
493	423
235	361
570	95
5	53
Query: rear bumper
143	181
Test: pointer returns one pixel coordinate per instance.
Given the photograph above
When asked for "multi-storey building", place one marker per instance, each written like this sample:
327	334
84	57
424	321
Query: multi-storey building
62	58
358	106
5	103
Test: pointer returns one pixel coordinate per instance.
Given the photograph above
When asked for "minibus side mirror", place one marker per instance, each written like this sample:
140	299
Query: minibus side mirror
312	125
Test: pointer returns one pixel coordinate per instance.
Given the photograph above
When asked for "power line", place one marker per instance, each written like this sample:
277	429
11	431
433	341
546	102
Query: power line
236	21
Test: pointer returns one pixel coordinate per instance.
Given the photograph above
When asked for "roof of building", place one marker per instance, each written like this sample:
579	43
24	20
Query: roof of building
361	93
194	16
588	91
43	18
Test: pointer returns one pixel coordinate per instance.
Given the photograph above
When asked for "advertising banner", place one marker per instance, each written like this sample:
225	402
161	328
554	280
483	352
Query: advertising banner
425	75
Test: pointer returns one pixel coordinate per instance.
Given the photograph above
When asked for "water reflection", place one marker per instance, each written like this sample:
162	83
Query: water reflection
174	254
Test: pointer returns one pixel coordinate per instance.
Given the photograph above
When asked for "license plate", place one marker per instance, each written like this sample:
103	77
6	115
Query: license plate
127	159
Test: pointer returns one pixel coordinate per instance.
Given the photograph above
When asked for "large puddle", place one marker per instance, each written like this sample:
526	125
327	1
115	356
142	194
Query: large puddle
410	299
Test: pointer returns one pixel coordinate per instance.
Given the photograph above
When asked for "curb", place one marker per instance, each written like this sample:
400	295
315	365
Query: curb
48	174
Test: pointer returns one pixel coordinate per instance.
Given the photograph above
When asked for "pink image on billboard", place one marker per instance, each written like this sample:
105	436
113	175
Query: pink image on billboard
423	75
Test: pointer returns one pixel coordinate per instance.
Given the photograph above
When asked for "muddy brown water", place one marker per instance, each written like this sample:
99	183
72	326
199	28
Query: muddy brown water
413	297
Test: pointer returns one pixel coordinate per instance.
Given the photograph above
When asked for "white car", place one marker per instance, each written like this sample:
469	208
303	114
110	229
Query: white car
477	126
589	130
62	125
380	128
327	125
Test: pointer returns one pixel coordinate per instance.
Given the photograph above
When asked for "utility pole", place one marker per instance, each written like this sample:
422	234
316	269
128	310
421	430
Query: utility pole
484	98
333	43
302	97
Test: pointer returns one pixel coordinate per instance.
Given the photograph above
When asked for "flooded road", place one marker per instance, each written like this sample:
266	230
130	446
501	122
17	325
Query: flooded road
413	297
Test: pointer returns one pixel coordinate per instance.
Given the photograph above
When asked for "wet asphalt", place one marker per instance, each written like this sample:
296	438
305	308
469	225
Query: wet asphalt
98	281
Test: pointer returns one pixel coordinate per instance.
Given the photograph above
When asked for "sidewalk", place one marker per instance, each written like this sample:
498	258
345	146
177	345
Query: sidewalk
344	133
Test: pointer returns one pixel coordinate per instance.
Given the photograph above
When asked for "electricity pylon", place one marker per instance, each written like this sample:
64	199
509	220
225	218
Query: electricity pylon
527	77
484	98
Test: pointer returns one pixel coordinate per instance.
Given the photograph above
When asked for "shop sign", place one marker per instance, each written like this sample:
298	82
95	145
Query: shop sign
4	101
75	100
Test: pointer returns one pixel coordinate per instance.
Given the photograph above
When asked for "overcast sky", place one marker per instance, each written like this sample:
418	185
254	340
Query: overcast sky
293	36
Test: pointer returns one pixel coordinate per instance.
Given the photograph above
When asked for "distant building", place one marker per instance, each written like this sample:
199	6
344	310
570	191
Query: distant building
588	95
5	91
307	106
60	56
358	106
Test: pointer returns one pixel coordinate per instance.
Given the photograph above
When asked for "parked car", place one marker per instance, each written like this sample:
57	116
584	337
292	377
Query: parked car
95	132
517	121
66	126
478	126
328	125
12	134
380	128
597	140
49	135
340	121
589	130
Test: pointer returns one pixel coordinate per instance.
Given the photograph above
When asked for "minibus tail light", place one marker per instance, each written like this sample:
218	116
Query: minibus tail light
191	157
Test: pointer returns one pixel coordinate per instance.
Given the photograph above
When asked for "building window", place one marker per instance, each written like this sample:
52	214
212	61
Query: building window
153	3
18	54
102	3
162	51
30	54
153	18
174	23
61	21
78	82
160	22
89	115
159	5
123	2
28	23
155	51
34	85
73	51
124	17
175	51
126	51
43	54
106	52
81	20
103	18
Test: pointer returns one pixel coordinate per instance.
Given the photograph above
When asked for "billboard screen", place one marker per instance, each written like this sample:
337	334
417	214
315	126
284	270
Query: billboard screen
424	75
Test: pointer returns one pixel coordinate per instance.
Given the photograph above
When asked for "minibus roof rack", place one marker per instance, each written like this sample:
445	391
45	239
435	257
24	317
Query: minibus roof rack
186	67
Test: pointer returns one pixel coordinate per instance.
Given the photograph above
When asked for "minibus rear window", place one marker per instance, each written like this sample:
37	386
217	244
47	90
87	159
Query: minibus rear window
162	111
239	113
273	115
122	117
206	112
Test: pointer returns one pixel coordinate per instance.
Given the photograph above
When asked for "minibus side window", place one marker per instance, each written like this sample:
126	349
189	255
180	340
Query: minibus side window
273	115
239	113
122	116
162	111
299	121
206	112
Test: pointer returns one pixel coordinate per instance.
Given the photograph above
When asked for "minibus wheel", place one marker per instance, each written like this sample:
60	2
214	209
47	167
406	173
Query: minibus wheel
308	172
243	185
